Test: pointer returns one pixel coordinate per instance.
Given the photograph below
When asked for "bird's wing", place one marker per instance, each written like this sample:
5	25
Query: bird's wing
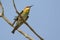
16	18
27	17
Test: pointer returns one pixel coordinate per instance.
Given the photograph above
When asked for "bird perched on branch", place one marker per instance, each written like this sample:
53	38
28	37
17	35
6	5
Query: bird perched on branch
24	13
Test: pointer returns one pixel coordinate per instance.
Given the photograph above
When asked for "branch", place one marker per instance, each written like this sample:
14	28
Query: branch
15	8
2	13
5	18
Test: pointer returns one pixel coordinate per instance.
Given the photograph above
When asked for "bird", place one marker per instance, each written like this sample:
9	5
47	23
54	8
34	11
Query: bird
25	15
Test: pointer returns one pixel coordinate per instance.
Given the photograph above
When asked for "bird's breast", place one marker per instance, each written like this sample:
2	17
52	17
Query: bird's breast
24	16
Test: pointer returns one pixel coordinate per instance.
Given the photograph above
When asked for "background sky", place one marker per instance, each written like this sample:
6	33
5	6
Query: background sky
44	18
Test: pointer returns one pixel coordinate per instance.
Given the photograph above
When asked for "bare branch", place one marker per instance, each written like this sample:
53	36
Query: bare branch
33	31
15	8
5	18
1	7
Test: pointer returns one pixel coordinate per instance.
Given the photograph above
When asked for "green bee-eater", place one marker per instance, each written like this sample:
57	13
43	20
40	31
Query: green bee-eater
24	15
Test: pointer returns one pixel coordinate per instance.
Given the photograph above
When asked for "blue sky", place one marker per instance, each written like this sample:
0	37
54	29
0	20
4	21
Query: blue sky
44	18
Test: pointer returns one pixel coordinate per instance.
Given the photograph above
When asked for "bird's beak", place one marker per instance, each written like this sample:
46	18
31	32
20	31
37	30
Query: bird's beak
30	6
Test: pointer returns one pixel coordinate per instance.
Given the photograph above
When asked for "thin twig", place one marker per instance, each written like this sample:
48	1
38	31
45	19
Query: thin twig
1	14
15	7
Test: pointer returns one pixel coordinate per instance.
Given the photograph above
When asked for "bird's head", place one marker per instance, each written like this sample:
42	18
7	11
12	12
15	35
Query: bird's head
27	8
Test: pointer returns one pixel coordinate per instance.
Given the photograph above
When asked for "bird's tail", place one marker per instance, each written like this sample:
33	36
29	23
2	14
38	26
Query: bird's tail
16	27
